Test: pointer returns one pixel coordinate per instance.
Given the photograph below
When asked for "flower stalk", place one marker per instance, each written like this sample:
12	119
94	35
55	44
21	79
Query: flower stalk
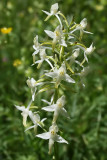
67	62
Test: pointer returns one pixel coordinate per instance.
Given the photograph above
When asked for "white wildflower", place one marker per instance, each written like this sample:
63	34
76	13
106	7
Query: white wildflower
81	27
33	85
60	74
53	11
38	48
36	121
57	36
25	112
57	108
52	136
43	57
87	51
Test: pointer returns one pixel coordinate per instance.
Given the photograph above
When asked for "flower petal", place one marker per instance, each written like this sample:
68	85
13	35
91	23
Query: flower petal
36	52
59	19
49	63
44	135
69	79
54	7
64	112
46	101
62	42
52	74
87	32
83	23
43	119
47	12
30	128
59	139
20	108
39	61
75	30
50	108
50	34
85	56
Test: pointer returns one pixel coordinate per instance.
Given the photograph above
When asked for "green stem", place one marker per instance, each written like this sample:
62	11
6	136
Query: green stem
55	144
56	151
56	95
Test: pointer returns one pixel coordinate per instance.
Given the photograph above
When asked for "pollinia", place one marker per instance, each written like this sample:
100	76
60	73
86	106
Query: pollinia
67	58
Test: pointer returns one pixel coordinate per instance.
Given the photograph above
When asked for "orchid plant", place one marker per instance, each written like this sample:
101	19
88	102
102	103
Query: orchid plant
68	60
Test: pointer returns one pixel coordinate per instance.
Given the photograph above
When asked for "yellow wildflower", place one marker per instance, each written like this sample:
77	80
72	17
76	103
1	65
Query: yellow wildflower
5	30
17	62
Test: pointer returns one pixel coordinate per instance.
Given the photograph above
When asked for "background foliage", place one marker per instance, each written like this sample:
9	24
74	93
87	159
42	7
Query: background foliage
87	129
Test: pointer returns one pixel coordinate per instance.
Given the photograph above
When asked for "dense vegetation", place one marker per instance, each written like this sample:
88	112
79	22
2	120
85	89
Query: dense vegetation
87	129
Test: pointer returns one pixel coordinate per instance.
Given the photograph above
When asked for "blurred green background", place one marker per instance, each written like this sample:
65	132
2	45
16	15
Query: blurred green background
86	131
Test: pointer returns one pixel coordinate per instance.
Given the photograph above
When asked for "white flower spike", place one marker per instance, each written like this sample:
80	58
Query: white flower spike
25	112
57	108
57	36
36	121
53	11
52	136
60	74
66	57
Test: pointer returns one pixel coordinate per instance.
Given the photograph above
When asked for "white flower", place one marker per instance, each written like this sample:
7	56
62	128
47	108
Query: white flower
38	48
52	136
83	23
60	74
81	27
87	51
25	112
36	121
57	36
57	108
43	57
33	85
53	11
74	55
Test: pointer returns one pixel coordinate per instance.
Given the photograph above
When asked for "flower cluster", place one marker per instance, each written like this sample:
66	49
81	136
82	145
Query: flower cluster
68	60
